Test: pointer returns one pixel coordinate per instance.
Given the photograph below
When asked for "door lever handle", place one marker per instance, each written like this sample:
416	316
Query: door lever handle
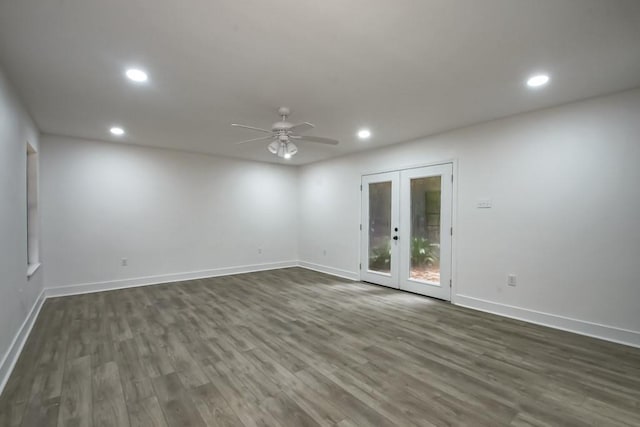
395	237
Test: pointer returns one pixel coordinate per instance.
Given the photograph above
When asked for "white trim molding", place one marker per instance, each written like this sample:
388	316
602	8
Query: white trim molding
345	274
32	268
582	327
85	288
13	353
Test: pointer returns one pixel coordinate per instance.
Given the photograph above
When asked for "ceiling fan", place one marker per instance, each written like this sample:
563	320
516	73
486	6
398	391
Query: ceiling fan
283	134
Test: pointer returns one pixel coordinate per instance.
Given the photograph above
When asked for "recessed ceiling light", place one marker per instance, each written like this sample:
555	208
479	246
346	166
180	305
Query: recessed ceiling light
364	133
118	131
287	156
136	75
538	80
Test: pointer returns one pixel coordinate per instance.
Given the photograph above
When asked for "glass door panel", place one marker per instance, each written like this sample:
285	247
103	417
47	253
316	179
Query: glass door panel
426	202
425	229
379	227
379	261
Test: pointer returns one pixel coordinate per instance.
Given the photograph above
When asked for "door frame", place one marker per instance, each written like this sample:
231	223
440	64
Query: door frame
454	216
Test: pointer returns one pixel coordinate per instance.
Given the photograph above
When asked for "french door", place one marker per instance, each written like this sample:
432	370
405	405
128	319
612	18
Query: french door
406	229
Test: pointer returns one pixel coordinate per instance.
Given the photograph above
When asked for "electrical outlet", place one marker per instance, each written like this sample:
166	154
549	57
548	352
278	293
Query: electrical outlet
512	280
124	262
259	250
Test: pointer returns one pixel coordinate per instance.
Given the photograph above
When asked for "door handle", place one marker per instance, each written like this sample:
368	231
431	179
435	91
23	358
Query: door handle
395	237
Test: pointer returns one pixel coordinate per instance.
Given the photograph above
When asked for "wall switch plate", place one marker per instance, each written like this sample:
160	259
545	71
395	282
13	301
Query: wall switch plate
484	204
259	250
512	280
124	262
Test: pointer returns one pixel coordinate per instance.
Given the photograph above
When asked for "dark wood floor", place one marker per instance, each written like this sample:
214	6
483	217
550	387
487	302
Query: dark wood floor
295	348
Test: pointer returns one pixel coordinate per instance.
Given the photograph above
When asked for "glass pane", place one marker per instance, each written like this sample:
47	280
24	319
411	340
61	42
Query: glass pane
380	227
425	229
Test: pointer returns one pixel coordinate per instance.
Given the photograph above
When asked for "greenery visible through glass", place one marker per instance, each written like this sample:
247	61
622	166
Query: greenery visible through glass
425	256
425	229
380	227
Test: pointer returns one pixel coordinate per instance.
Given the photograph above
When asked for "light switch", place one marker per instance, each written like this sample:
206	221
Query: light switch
484	204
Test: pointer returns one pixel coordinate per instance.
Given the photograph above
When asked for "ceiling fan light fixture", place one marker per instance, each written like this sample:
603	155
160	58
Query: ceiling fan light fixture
284	150
292	149
274	147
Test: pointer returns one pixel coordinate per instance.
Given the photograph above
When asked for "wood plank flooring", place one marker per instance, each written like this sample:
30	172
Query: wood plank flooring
297	348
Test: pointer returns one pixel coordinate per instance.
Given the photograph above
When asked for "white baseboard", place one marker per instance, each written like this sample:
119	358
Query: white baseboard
595	330
85	288
345	274
13	353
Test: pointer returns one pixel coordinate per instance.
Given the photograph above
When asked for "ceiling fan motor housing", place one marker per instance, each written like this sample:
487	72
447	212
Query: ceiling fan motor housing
278	126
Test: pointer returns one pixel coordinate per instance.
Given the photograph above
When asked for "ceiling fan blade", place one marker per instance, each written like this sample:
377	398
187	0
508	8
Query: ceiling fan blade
262	138
301	127
316	139
251	127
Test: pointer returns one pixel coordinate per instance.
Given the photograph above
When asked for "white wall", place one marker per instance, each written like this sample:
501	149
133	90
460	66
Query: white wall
565	219
17	294
565	185
172	214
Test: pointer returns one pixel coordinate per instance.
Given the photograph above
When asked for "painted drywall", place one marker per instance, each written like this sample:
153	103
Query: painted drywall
565	219
18	294
169	213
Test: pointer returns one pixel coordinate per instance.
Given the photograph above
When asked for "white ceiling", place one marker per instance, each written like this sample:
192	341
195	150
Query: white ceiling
404	68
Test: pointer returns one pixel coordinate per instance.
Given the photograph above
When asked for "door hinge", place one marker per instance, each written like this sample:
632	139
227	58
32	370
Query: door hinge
360	187
360	266
451	178
449	282
452	231
360	227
